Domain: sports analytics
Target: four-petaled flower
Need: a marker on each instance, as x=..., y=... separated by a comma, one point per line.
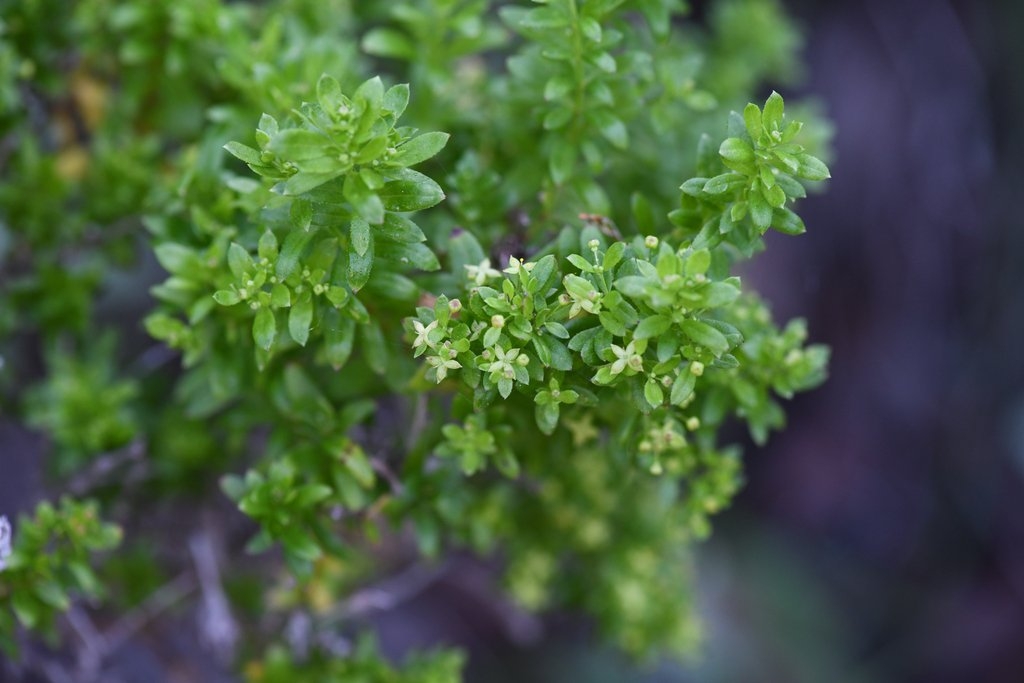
x=444, y=361
x=626, y=357
x=480, y=272
x=502, y=367
x=5, y=542
x=422, y=340
x=517, y=264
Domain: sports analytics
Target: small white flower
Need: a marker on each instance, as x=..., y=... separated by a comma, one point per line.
x=5, y=542
x=502, y=367
x=480, y=272
x=441, y=364
x=517, y=264
x=626, y=357
x=423, y=335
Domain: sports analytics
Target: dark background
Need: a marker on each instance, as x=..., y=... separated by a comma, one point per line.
x=881, y=537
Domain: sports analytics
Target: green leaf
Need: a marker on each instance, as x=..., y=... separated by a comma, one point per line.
x=245, y=153
x=812, y=168
x=706, y=335
x=591, y=29
x=410, y=191
x=420, y=148
x=544, y=18
x=339, y=335
x=547, y=416
x=613, y=256
x=682, y=388
x=328, y=93
x=562, y=160
x=300, y=318
x=752, y=119
x=360, y=235
x=760, y=210
x=239, y=260
x=26, y=608
x=557, y=87
x=311, y=494
x=698, y=262
x=364, y=200
x=396, y=99
x=392, y=286
x=371, y=92
x=280, y=296
x=726, y=182
x=787, y=222
x=561, y=359
x=653, y=393
x=775, y=196
x=264, y=329
x=301, y=214
x=738, y=155
x=557, y=118
x=652, y=326
x=268, y=247
x=773, y=111
x=291, y=253
x=359, y=267
x=398, y=228
x=386, y=42
x=374, y=347
x=298, y=145
x=611, y=127
x=177, y=258
x=605, y=62
x=359, y=465
x=226, y=297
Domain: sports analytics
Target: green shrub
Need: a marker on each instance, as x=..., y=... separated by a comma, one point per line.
x=486, y=300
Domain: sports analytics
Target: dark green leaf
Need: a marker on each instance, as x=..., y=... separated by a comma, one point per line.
x=410, y=191
x=291, y=253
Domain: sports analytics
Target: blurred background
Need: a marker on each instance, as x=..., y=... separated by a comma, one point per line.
x=881, y=536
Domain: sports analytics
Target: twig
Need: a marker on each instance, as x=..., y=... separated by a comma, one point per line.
x=381, y=468
x=160, y=600
x=419, y=421
x=94, y=644
x=104, y=465
x=216, y=625
x=387, y=594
